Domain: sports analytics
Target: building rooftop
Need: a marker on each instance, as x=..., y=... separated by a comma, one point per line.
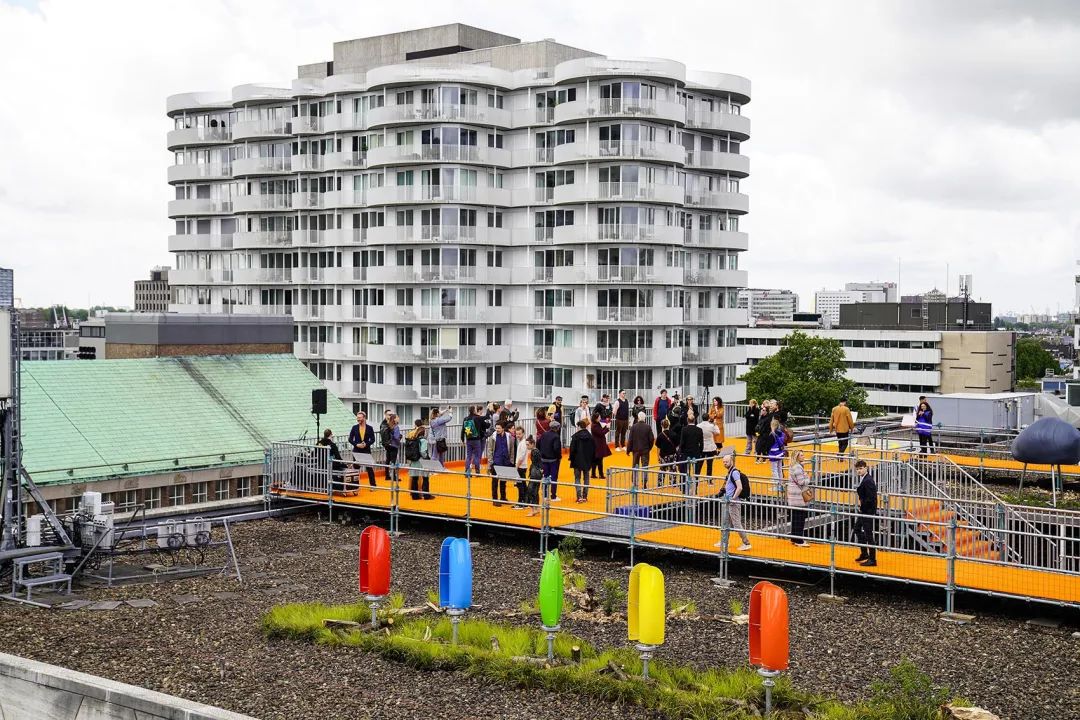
x=89, y=420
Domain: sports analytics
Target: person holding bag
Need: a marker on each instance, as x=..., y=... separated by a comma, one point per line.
x=799, y=496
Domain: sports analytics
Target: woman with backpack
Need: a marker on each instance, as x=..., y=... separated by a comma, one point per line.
x=437, y=433
x=667, y=449
x=414, y=448
x=798, y=496
x=778, y=441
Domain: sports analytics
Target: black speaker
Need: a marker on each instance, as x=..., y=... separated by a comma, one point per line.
x=707, y=377
x=318, y=401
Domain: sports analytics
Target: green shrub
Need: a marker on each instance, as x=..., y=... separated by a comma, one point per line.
x=736, y=607
x=612, y=596
x=907, y=694
x=570, y=549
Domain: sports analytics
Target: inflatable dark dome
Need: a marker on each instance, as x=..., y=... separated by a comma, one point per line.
x=1048, y=441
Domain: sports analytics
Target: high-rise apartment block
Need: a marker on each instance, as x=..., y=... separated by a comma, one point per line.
x=828, y=302
x=153, y=295
x=454, y=215
x=772, y=304
x=7, y=287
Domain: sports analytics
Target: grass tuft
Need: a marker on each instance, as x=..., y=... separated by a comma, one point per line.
x=736, y=607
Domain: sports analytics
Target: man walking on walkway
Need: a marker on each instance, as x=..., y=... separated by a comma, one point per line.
x=472, y=436
x=639, y=444
x=841, y=423
x=864, y=524
x=736, y=489
x=550, y=447
x=501, y=450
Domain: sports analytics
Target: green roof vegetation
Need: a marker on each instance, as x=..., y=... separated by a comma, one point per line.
x=86, y=420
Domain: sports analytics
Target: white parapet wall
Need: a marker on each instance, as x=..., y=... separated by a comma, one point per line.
x=31, y=690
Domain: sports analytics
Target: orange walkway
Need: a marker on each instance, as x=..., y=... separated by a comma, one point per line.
x=455, y=497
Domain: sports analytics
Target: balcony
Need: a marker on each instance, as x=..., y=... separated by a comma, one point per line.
x=345, y=160
x=200, y=206
x=261, y=130
x=635, y=191
x=620, y=150
x=638, y=273
x=199, y=171
x=428, y=113
x=437, y=273
x=624, y=314
x=329, y=275
x=715, y=355
x=307, y=200
x=714, y=277
x=180, y=243
x=264, y=276
x=326, y=313
x=733, y=201
x=306, y=163
x=198, y=136
x=449, y=392
x=719, y=316
x=640, y=108
x=635, y=356
x=307, y=125
x=343, y=122
x=262, y=203
x=546, y=314
x=251, y=167
x=721, y=161
x=310, y=350
x=465, y=313
x=728, y=239
x=200, y=277
x=261, y=239
x=393, y=393
x=720, y=121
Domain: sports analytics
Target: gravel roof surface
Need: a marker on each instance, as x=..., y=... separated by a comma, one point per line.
x=212, y=650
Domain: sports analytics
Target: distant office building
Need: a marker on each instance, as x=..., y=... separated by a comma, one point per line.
x=147, y=335
x=153, y=295
x=931, y=296
x=828, y=302
x=896, y=366
x=766, y=303
x=917, y=316
x=46, y=343
x=7, y=287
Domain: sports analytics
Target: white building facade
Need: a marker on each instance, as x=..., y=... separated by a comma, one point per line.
x=512, y=220
x=895, y=367
x=828, y=302
x=766, y=303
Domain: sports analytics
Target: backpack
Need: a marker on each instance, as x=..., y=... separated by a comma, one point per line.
x=385, y=435
x=471, y=432
x=412, y=449
x=744, y=493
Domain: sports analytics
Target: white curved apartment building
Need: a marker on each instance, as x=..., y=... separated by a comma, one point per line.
x=453, y=215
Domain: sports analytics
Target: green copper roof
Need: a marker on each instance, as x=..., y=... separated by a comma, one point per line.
x=86, y=419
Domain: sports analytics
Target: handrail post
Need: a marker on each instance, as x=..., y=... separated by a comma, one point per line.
x=950, y=579
x=395, y=508
x=832, y=550
x=545, y=513
x=468, y=504
x=999, y=511
x=725, y=534
x=633, y=512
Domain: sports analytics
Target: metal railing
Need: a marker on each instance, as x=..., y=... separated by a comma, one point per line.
x=695, y=516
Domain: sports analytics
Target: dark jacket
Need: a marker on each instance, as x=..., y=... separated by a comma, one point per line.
x=752, y=416
x=764, y=434
x=637, y=409
x=507, y=418
x=692, y=441
x=867, y=491
x=677, y=416
x=368, y=439
x=665, y=443
x=599, y=436
x=604, y=411
x=335, y=454
x=622, y=409
x=550, y=447
x=582, y=450
x=640, y=439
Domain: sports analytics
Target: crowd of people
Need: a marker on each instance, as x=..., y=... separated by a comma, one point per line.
x=687, y=438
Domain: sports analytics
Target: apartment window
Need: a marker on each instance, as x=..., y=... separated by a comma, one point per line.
x=495, y=101
x=403, y=376
x=222, y=490
x=494, y=375
x=200, y=492
x=495, y=140
x=404, y=336
x=126, y=501
x=243, y=487
x=495, y=298
x=404, y=218
x=177, y=495
x=152, y=498
x=404, y=297
x=495, y=258
x=494, y=336
x=495, y=219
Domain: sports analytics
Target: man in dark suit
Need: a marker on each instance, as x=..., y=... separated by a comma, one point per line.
x=864, y=523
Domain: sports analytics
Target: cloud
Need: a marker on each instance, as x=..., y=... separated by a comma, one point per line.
x=940, y=134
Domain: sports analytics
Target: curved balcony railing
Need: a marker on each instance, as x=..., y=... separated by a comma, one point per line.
x=181, y=243
x=640, y=108
x=264, y=203
x=610, y=67
x=199, y=171
x=184, y=137
x=200, y=206
x=245, y=167
x=738, y=125
x=255, y=129
x=728, y=162
x=433, y=113
x=261, y=239
x=620, y=150
x=735, y=202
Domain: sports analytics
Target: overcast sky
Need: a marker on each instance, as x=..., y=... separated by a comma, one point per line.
x=943, y=135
